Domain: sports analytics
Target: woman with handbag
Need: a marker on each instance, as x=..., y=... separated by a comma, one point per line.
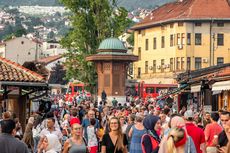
x=114, y=141
x=76, y=143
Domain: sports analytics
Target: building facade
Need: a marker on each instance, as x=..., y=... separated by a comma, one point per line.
x=181, y=36
x=22, y=49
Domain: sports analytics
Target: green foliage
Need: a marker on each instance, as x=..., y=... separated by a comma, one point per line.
x=93, y=21
x=20, y=32
x=130, y=40
x=58, y=75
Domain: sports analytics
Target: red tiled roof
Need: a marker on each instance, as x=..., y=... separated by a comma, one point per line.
x=11, y=71
x=49, y=59
x=187, y=10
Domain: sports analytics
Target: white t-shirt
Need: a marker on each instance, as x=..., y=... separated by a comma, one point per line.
x=92, y=138
x=57, y=132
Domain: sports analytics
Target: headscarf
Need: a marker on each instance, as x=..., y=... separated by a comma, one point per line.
x=53, y=143
x=149, y=123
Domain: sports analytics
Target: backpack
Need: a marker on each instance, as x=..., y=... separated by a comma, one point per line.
x=154, y=142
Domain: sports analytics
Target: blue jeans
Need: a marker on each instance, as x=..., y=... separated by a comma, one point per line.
x=36, y=141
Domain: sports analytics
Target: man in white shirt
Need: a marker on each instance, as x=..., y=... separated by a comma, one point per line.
x=50, y=130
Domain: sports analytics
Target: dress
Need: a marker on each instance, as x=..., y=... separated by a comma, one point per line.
x=135, y=146
x=107, y=142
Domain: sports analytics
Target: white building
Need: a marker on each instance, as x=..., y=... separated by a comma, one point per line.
x=2, y=49
x=52, y=48
x=22, y=49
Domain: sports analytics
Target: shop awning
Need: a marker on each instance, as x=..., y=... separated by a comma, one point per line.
x=223, y=85
x=195, y=88
x=216, y=92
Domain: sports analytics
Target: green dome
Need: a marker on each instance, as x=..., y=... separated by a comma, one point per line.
x=111, y=44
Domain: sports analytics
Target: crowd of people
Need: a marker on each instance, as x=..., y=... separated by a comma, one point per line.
x=86, y=127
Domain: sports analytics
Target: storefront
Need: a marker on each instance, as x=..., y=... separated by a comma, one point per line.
x=222, y=89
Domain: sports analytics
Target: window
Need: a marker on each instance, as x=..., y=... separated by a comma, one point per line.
x=29, y=53
x=178, y=63
x=198, y=24
x=178, y=39
x=198, y=39
x=154, y=43
x=171, y=25
x=220, y=60
x=162, y=65
x=154, y=66
x=171, y=64
x=143, y=32
x=180, y=24
x=139, y=32
x=22, y=42
x=188, y=63
x=146, y=66
x=220, y=39
x=171, y=40
x=162, y=42
x=182, y=63
x=139, y=53
x=77, y=88
x=220, y=24
x=161, y=89
x=139, y=73
x=198, y=63
x=149, y=90
x=188, y=38
x=131, y=69
x=146, y=44
x=182, y=38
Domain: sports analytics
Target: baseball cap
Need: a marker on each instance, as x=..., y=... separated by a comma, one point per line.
x=189, y=114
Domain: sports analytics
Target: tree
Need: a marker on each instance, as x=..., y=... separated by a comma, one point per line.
x=51, y=35
x=57, y=75
x=20, y=32
x=92, y=22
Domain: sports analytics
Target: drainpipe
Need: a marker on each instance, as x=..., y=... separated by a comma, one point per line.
x=210, y=35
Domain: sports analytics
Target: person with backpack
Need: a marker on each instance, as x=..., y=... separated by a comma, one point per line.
x=151, y=140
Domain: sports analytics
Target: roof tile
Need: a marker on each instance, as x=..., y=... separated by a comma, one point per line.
x=187, y=10
x=11, y=71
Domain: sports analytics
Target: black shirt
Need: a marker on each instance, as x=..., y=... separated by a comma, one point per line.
x=222, y=139
x=106, y=141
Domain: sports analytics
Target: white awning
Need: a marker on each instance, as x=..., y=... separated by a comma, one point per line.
x=223, y=85
x=216, y=92
x=195, y=88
